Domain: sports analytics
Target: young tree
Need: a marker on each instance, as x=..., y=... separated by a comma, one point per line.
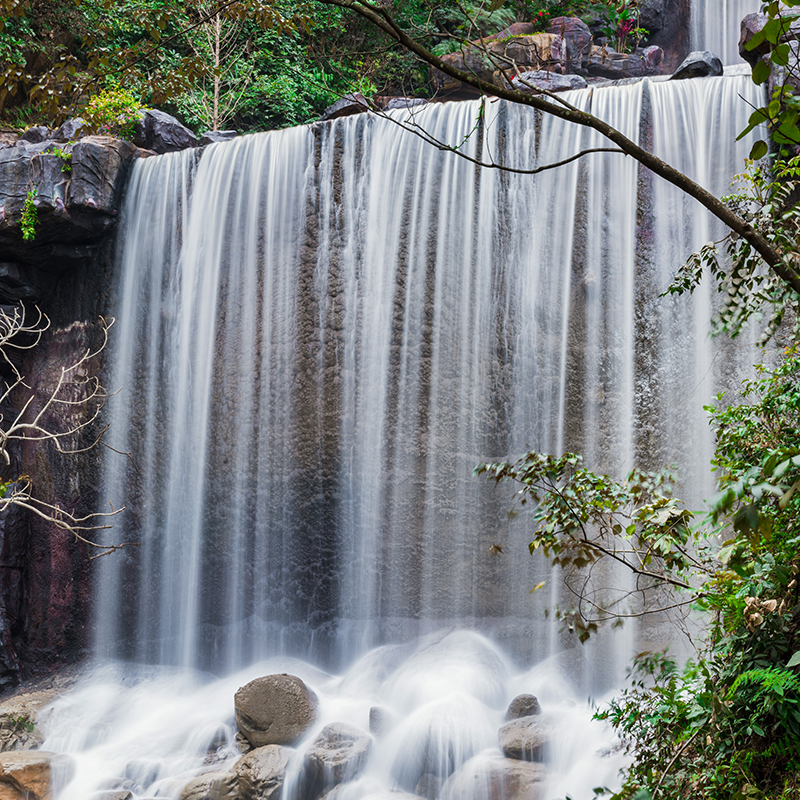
x=63, y=411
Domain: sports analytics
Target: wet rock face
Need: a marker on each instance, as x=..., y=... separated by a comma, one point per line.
x=527, y=738
x=209, y=137
x=77, y=202
x=608, y=63
x=275, y=709
x=19, y=722
x=336, y=755
x=211, y=786
x=496, y=779
x=261, y=773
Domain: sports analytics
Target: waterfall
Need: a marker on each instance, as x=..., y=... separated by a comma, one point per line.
x=716, y=26
x=322, y=331
x=319, y=333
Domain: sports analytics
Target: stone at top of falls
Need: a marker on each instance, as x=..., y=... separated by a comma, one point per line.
x=526, y=738
x=353, y=103
x=162, y=133
x=275, y=709
x=605, y=62
x=31, y=773
x=496, y=779
x=209, y=137
x=523, y=705
x=700, y=64
x=336, y=755
x=262, y=771
x=529, y=82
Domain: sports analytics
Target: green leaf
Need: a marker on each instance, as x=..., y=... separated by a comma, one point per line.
x=759, y=150
x=761, y=73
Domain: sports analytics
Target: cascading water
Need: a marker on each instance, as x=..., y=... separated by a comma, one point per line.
x=320, y=332
x=716, y=23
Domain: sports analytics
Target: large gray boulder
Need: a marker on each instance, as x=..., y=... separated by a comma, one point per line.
x=35, y=135
x=496, y=779
x=69, y=130
x=162, y=133
x=336, y=755
x=523, y=705
x=527, y=738
x=275, y=709
x=212, y=786
x=699, y=64
x=262, y=771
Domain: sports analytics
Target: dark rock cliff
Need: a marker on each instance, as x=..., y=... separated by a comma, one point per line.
x=63, y=270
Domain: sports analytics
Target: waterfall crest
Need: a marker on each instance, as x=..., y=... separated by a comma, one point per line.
x=322, y=331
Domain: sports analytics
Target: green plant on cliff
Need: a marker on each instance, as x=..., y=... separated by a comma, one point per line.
x=30, y=215
x=65, y=156
x=113, y=112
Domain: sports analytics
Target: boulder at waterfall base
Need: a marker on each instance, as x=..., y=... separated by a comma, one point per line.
x=212, y=786
x=496, y=779
x=261, y=772
x=30, y=774
x=523, y=705
x=336, y=755
x=527, y=738
x=275, y=709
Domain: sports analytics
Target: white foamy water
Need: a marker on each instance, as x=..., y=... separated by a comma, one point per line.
x=150, y=730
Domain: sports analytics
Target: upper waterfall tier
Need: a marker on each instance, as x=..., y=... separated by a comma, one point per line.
x=321, y=331
x=716, y=26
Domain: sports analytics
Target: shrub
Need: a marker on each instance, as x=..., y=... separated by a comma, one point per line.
x=113, y=112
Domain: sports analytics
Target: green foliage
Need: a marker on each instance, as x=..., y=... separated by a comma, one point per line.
x=621, y=25
x=30, y=215
x=727, y=727
x=65, y=156
x=782, y=113
x=22, y=723
x=113, y=112
x=764, y=197
x=580, y=518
